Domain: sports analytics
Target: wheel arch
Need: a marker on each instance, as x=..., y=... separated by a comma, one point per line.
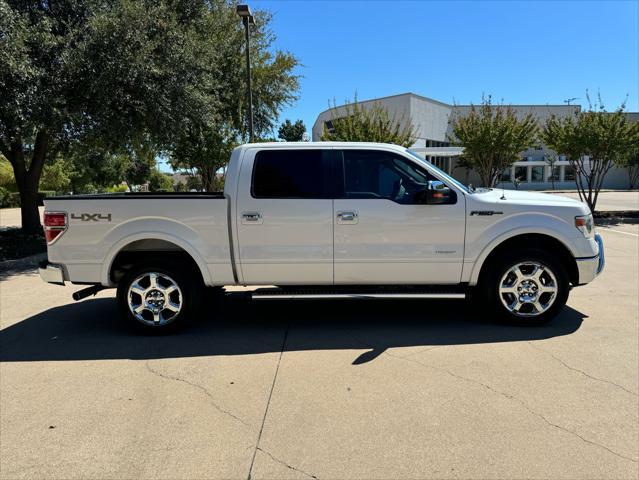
x=139, y=247
x=526, y=240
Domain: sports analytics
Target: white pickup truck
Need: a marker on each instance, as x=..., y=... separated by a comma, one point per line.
x=325, y=220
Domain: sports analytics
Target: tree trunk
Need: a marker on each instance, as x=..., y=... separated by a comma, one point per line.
x=28, y=180
x=29, y=210
x=208, y=177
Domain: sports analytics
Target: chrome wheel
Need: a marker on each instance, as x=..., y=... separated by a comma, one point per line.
x=528, y=289
x=155, y=299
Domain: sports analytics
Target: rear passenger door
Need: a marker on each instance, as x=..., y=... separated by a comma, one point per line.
x=285, y=217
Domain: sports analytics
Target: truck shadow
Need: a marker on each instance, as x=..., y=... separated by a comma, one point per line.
x=90, y=330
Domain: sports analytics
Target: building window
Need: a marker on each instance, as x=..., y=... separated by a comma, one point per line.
x=328, y=126
x=521, y=174
x=537, y=174
x=569, y=174
x=554, y=174
x=505, y=175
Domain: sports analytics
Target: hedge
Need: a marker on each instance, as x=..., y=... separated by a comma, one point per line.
x=12, y=199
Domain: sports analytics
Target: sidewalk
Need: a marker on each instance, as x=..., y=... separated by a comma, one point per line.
x=10, y=217
x=608, y=200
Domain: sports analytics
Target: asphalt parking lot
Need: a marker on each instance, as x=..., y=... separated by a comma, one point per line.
x=333, y=389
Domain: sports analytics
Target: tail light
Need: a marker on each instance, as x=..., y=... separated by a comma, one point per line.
x=55, y=224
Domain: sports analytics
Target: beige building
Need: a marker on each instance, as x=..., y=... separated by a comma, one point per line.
x=431, y=119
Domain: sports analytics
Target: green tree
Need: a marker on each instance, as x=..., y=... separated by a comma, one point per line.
x=160, y=182
x=631, y=163
x=204, y=144
x=493, y=137
x=6, y=173
x=56, y=175
x=593, y=141
x=110, y=72
x=140, y=163
x=291, y=132
x=372, y=123
x=551, y=159
x=203, y=152
x=94, y=170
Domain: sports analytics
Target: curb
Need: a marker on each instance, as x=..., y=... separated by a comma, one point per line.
x=616, y=216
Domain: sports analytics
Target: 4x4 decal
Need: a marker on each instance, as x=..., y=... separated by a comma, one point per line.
x=91, y=217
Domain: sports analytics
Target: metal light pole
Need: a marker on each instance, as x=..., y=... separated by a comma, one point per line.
x=245, y=13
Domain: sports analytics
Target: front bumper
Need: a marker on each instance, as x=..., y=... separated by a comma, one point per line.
x=589, y=268
x=51, y=273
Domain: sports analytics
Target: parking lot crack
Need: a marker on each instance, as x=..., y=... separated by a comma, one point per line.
x=268, y=402
x=285, y=464
x=200, y=388
x=520, y=402
x=569, y=367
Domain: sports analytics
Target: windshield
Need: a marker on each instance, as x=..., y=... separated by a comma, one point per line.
x=440, y=172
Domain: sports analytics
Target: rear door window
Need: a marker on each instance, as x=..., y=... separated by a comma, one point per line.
x=303, y=173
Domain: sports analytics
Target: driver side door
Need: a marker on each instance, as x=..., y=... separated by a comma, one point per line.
x=384, y=233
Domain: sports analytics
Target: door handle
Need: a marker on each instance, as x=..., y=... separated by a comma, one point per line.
x=347, y=217
x=251, y=217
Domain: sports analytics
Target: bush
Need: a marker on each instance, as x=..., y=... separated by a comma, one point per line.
x=12, y=199
x=4, y=197
x=117, y=189
x=7, y=180
x=15, y=244
x=42, y=194
x=160, y=182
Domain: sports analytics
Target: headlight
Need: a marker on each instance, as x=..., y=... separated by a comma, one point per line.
x=585, y=225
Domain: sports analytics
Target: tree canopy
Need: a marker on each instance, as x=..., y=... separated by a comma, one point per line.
x=116, y=74
x=593, y=141
x=372, y=123
x=493, y=136
x=291, y=132
x=204, y=151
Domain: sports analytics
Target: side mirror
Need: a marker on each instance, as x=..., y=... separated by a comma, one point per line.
x=439, y=194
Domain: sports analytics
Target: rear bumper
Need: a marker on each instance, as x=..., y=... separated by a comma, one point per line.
x=51, y=273
x=589, y=268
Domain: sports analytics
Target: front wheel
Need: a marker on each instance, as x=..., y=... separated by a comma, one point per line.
x=527, y=287
x=157, y=299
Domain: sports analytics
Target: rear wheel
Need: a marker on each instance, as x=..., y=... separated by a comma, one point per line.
x=527, y=287
x=157, y=299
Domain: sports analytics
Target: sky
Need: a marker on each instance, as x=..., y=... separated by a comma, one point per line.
x=519, y=52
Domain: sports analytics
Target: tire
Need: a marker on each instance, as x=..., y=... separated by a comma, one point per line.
x=525, y=287
x=156, y=299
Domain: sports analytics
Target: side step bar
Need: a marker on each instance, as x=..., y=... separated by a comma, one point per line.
x=364, y=294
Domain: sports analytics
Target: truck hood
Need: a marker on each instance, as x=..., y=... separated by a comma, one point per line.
x=528, y=198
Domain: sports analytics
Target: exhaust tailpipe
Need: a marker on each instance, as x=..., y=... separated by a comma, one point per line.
x=87, y=292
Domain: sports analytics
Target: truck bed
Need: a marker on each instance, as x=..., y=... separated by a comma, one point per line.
x=100, y=227
x=137, y=195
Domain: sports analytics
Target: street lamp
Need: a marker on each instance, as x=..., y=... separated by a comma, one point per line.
x=245, y=13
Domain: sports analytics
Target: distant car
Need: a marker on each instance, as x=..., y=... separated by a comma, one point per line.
x=325, y=220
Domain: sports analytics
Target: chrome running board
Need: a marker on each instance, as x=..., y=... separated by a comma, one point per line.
x=354, y=294
x=360, y=296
